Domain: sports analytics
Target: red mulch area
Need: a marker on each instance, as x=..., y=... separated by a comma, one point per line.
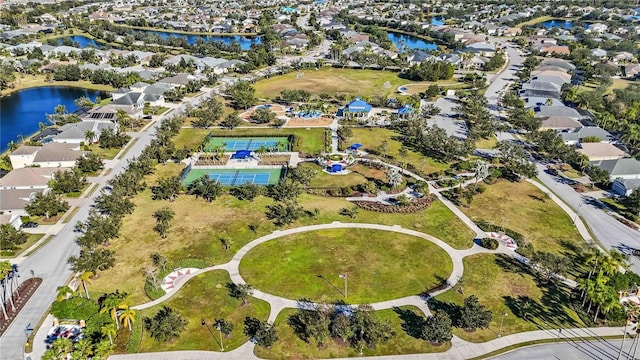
x=26, y=290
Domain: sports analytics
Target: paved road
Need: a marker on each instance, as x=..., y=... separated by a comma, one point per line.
x=578, y=350
x=610, y=232
x=50, y=262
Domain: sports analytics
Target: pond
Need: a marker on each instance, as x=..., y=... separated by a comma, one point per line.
x=563, y=24
x=24, y=109
x=83, y=41
x=245, y=41
x=409, y=42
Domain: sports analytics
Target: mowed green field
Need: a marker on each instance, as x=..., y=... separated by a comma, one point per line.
x=381, y=265
x=332, y=81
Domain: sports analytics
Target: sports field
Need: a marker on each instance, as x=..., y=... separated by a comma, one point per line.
x=248, y=143
x=232, y=177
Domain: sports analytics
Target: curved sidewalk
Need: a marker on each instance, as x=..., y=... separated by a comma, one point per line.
x=278, y=303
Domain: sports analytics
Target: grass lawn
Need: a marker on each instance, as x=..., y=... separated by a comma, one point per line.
x=371, y=138
x=490, y=143
x=205, y=297
x=31, y=239
x=381, y=265
x=331, y=81
x=502, y=284
x=291, y=347
x=620, y=84
x=323, y=179
x=572, y=173
x=311, y=140
x=418, y=88
x=198, y=226
x=190, y=137
x=24, y=81
x=154, y=110
x=106, y=154
x=522, y=207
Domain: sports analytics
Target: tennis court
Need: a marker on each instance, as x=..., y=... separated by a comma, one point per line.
x=248, y=143
x=231, y=177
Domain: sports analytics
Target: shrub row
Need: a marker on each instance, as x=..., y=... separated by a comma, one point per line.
x=414, y=206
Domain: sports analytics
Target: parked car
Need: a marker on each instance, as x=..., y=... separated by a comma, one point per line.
x=30, y=225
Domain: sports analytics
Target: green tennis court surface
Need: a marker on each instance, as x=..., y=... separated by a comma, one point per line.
x=248, y=143
x=231, y=177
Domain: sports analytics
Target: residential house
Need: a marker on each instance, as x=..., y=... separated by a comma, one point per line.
x=76, y=133
x=553, y=49
x=12, y=219
x=599, y=53
x=546, y=111
x=481, y=48
x=29, y=178
x=48, y=155
x=575, y=137
x=599, y=151
x=560, y=123
x=13, y=202
x=597, y=28
x=179, y=80
x=542, y=85
x=631, y=71
x=624, y=173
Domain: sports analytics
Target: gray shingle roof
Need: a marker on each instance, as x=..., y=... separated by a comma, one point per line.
x=619, y=167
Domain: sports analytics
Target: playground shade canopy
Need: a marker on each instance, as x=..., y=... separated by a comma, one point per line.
x=355, y=146
x=241, y=154
x=336, y=167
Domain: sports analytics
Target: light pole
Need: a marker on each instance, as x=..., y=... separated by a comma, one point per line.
x=219, y=327
x=504, y=313
x=344, y=276
x=575, y=217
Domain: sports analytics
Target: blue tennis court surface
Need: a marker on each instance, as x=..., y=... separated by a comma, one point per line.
x=239, y=179
x=248, y=143
x=235, y=177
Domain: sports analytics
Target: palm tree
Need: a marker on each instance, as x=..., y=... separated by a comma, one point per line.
x=64, y=292
x=112, y=303
x=85, y=279
x=109, y=330
x=128, y=317
x=89, y=136
x=83, y=349
x=123, y=118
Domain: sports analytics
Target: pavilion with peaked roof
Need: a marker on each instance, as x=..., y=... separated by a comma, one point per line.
x=357, y=108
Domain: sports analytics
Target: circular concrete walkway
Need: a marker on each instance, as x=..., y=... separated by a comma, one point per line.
x=278, y=303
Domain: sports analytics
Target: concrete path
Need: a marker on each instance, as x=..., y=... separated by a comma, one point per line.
x=278, y=303
x=460, y=349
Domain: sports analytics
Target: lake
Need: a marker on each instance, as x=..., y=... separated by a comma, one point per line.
x=245, y=41
x=24, y=109
x=83, y=41
x=410, y=42
x=563, y=24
